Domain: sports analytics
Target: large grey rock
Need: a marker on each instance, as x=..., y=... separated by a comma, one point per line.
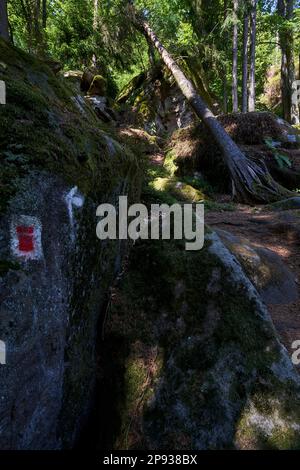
x=204, y=367
x=286, y=204
x=55, y=275
x=50, y=306
x=272, y=278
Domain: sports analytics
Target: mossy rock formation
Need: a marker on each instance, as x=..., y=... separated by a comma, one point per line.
x=157, y=100
x=57, y=165
x=202, y=366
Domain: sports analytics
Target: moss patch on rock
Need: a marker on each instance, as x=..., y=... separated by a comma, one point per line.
x=42, y=128
x=181, y=191
x=98, y=86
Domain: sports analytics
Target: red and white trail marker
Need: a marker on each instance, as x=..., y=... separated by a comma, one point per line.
x=26, y=240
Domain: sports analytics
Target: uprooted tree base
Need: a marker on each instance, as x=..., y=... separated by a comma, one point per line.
x=192, y=149
x=252, y=183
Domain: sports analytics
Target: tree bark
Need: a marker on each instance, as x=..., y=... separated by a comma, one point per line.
x=96, y=16
x=37, y=13
x=4, y=30
x=44, y=14
x=235, y=99
x=28, y=17
x=290, y=109
x=225, y=83
x=250, y=181
x=245, y=62
x=252, y=81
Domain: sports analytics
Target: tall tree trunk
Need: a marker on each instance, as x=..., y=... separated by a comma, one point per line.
x=235, y=99
x=28, y=15
x=4, y=31
x=11, y=33
x=252, y=82
x=250, y=182
x=288, y=91
x=225, y=82
x=96, y=15
x=95, y=28
x=37, y=17
x=245, y=61
x=44, y=14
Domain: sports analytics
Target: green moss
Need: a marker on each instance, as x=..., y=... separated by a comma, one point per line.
x=286, y=204
x=98, y=86
x=42, y=128
x=145, y=109
x=131, y=89
x=211, y=205
x=268, y=427
x=135, y=378
x=181, y=191
x=170, y=164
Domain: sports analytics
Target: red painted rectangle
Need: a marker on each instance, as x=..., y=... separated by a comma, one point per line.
x=22, y=229
x=25, y=238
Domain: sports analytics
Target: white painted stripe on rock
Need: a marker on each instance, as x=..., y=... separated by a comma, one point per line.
x=2, y=92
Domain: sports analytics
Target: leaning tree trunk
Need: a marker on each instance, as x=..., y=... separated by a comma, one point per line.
x=250, y=181
x=4, y=31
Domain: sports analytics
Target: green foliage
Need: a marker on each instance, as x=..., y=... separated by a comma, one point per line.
x=195, y=29
x=282, y=160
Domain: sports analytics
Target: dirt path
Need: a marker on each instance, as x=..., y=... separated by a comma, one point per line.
x=278, y=231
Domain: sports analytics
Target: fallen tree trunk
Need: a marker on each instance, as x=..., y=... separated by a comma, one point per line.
x=251, y=183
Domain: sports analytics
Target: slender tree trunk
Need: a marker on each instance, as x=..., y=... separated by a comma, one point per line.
x=245, y=62
x=44, y=14
x=252, y=82
x=37, y=16
x=235, y=99
x=27, y=13
x=4, y=31
x=288, y=91
x=295, y=118
x=250, y=182
x=225, y=82
x=11, y=33
x=96, y=16
x=95, y=28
